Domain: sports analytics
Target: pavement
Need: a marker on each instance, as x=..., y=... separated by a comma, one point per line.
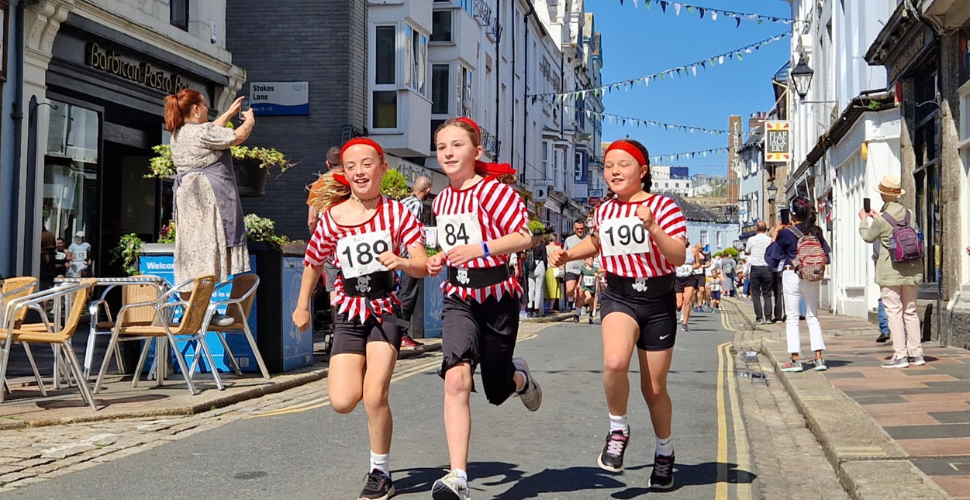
x=900, y=433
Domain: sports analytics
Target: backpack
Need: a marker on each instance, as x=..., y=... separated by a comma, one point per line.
x=728, y=266
x=810, y=259
x=906, y=244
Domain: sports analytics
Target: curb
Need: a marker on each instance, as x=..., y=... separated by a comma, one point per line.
x=868, y=462
x=549, y=318
x=282, y=383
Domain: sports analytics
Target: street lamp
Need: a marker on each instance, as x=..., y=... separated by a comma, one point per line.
x=801, y=76
x=772, y=191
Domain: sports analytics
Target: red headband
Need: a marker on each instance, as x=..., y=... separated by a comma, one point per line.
x=342, y=179
x=361, y=140
x=482, y=168
x=469, y=121
x=629, y=148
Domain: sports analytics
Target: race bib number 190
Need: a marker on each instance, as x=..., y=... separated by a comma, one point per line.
x=460, y=229
x=358, y=253
x=624, y=236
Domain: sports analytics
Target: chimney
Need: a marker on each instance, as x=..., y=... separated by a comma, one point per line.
x=756, y=120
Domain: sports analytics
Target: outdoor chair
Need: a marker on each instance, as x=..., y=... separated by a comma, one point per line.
x=61, y=339
x=191, y=326
x=238, y=306
x=13, y=289
x=135, y=316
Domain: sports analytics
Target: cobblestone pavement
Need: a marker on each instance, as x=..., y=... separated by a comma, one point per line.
x=789, y=460
x=35, y=454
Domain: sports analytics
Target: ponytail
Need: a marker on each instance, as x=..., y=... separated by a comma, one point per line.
x=180, y=105
x=805, y=212
x=331, y=189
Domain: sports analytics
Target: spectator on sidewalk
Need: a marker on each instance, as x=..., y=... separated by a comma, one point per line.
x=333, y=165
x=883, y=323
x=762, y=275
x=899, y=280
x=729, y=269
x=536, y=266
x=801, y=240
x=410, y=286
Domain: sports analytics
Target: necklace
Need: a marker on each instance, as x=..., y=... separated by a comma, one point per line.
x=365, y=200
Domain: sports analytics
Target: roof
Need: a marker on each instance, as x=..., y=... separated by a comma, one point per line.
x=695, y=212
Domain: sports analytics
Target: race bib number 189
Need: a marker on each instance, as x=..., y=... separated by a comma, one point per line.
x=460, y=229
x=358, y=253
x=624, y=236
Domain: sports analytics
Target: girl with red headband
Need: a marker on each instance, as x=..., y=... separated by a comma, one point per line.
x=640, y=238
x=480, y=222
x=366, y=234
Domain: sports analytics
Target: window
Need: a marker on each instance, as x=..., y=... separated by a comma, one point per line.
x=71, y=174
x=416, y=60
x=719, y=239
x=435, y=123
x=545, y=159
x=179, y=13
x=465, y=5
x=441, y=26
x=704, y=237
x=440, y=85
x=463, y=98
x=384, y=98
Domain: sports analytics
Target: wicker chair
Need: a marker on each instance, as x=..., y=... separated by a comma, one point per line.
x=191, y=326
x=238, y=306
x=18, y=288
x=78, y=294
x=135, y=316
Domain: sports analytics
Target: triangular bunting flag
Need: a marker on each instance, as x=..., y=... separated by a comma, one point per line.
x=714, y=16
x=663, y=6
x=738, y=20
x=701, y=10
x=677, y=8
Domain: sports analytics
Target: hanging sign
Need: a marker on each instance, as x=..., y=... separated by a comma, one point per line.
x=280, y=98
x=777, y=141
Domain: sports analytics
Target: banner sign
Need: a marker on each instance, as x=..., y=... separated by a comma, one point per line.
x=280, y=98
x=777, y=141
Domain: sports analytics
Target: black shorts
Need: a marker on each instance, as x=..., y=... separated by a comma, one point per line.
x=658, y=323
x=482, y=334
x=330, y=273
x=715, y=295
x=351, y=337
x=680, y=283
x=700, y=281
x=571, y=277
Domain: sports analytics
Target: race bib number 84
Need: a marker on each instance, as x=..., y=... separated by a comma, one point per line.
x=358, y=253
x=460, y=229
x=624, y=236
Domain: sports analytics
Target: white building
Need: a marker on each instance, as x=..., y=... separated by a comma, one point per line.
x=485, y=59
x=845, y=135
x=663, y=182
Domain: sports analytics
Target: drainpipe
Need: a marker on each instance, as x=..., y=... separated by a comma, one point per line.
x=498, y=72
x=512, y=93
x=14, y=264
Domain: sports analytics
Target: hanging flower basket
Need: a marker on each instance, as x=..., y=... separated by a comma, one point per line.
x=250, y=178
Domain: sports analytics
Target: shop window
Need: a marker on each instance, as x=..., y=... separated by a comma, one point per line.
x=180, y=14
x=441, y=26
x=927, y=173
x=416, y=60
x=71, y=171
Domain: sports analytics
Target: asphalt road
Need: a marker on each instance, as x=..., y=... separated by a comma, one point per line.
x=309, y=451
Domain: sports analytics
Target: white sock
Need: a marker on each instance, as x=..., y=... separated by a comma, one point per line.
x=665, y=447
x=381, y=463
x=462, y=474
x=525, y=384
x=619, y=424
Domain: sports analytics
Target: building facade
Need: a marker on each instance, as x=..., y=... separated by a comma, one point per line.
x=94, y=76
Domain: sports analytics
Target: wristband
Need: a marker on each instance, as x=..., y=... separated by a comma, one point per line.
x=485, y=251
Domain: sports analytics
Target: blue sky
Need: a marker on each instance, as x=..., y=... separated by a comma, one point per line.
x=638, y=42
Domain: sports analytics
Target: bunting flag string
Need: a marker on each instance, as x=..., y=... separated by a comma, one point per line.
x=625, y=120
x=714, y=13
x=688, y=69
x=690, y=154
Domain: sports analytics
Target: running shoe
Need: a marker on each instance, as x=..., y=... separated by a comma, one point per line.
x=916, y=361
x=220, y=320
x=792, y=366
x=896, y=363
x=450, y=487
x=612, y=457
x=531, y=394
x=377, y=486
x=591, y=318
x=684, y=327
x=820, y=365
x=663, y=472
x=407, y=343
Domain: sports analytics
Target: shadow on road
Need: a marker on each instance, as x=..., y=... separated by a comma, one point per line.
x=567, y=480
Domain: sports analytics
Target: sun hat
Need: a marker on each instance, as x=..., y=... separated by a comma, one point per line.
x=79, y=234
x=890, y=185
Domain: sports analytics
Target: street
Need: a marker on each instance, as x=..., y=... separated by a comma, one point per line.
x=305, y=450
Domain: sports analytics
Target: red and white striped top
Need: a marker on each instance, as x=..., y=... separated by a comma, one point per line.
x=500, y=212
x=666, y=213
x=391, y=216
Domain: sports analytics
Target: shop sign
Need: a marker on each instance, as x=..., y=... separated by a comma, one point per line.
x=777, y=141
x=111, y=62
x=280, y=98
x=906, y=59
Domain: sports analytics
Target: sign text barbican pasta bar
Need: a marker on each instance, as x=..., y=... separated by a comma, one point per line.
x=143, y=73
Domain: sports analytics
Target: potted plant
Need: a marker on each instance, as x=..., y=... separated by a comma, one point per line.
x=127, y=253
x=252, y=166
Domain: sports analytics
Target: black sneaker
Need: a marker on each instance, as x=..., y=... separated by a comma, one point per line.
x=377, y=486
x=612, y=457
x=663, y=472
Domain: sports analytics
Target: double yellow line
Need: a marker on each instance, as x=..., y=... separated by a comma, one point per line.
x=726, y=379
x=313, y=404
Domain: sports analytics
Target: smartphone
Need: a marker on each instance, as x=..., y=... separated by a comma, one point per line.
x=785, y=217
x=866, y=206
x=244, y=106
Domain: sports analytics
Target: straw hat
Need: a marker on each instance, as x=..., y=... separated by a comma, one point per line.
x=890, y=186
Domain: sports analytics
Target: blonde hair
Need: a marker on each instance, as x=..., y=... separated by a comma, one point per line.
x=327, y=192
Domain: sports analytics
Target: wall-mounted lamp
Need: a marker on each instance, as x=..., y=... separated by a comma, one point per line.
x=772, y=191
